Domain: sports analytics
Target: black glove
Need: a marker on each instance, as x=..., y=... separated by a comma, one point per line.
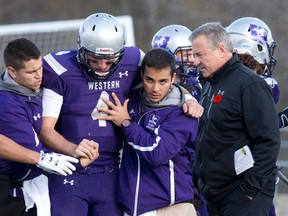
x=283, y=118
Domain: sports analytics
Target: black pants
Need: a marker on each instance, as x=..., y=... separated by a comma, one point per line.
x=237, y=203
x=16, y=207
x=12, y=206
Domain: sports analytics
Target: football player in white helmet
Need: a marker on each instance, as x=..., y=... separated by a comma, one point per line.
x=252, y=36
x=100, y=46
x=75, y=83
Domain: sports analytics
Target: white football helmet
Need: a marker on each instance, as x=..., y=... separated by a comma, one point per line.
x=102, y=36
x=250, y=35
x=173, y=38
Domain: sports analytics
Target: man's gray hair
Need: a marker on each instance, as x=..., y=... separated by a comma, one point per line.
x=215, y=34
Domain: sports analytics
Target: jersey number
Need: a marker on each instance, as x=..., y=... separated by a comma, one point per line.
x=100, y=103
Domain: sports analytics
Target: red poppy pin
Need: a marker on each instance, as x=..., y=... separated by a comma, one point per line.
x=217, y=98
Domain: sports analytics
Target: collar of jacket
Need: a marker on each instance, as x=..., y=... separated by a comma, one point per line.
x=175, y=97
x=11, y=86
x=226, y=69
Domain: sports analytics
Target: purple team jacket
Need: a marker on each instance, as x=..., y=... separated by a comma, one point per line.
x=155, y=169
x=21, y=119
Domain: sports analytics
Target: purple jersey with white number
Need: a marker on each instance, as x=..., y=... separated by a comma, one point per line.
x=82, y=95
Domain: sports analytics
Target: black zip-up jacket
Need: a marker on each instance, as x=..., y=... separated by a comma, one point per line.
x=239, y=111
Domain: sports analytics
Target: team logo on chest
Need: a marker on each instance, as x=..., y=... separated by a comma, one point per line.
x=121, y=74
x=152, y=122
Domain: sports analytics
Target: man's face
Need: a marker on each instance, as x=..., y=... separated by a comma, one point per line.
x=30, y=76
x=157, y=83
x=100, y=66
x=207, y=59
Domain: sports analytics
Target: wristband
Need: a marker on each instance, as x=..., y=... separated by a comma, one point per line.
x=126, y=123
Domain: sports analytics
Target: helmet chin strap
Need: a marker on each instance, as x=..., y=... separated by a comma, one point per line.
x=266, y=70
x=92, y=73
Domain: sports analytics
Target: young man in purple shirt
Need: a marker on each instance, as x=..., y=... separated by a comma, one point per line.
x=21, y=151
x=160, y=141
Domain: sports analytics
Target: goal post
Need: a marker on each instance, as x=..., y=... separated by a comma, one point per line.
x=54, y=35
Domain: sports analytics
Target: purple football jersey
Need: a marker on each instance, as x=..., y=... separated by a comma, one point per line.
x=82, y=95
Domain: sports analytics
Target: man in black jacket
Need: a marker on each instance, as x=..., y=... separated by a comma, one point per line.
x=238, y=139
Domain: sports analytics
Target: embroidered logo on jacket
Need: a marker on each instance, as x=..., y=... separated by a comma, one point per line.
x=152, y=122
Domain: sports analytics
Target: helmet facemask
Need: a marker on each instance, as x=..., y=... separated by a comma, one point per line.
x=182, y=56
x=94, y=72
x=270, y=65
x=186, y=67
